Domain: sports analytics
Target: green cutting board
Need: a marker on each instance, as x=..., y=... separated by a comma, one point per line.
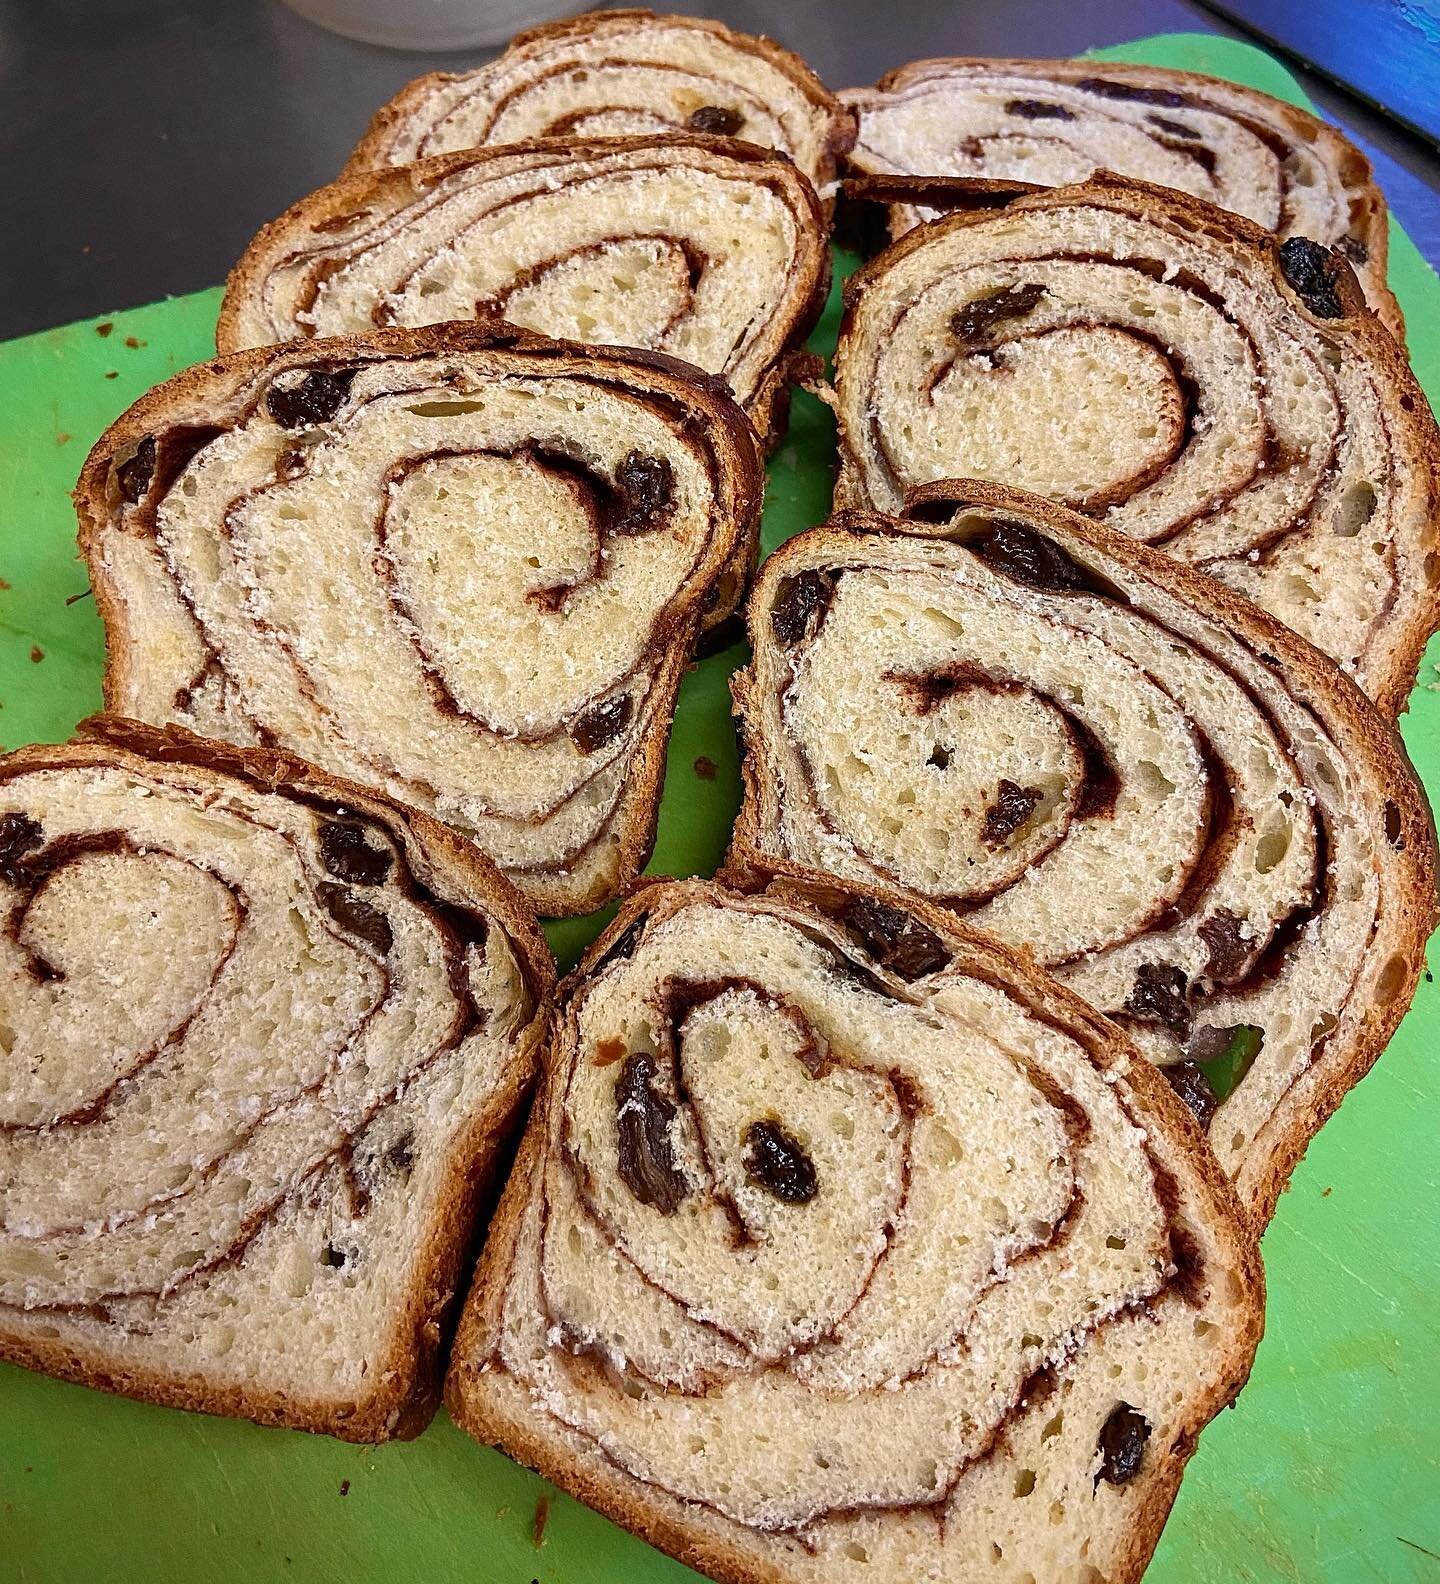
x=1325, y=1473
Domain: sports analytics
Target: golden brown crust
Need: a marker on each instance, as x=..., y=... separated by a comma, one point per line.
x=362, y=187
x=407, y=1386
x=1368, y=211
x=497, y=1411
x=373, y=148
x=193, y=393
x=1378, y=756
x=1418, y=438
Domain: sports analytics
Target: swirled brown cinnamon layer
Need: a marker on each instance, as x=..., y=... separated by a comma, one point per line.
x=1052, y=122
x=261, y=1035
x=1172, y=371
x=464, y=567
x=711, y=250
x=1182, y=810
x=620, y=73
x=844, y=1244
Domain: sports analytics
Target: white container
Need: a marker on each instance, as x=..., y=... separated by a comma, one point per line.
x=432, y=24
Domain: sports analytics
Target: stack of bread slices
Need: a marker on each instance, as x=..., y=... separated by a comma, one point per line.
x=889, y=1204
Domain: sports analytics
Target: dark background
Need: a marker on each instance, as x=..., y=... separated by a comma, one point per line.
x=142, y=142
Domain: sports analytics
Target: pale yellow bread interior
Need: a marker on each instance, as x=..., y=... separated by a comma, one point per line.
x=888, y=1344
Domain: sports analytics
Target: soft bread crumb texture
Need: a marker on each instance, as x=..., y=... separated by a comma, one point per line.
x=1208, y=837
x=473, y=584
x=906, y=1374
x=687, y=246
x=1057, y=122
x=620, y=75
x=1152, y=367
x=240, y=1115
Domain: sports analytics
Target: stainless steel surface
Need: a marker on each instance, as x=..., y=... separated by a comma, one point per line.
x=142, y=142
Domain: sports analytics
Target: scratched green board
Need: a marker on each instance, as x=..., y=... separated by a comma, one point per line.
x=1327, y=1470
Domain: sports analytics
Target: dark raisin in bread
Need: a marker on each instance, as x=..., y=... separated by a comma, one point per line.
x=1052, y=122
x=464, y=568
x=845, y=1245
x=1184, y=811
x=1170, y=369
x=620, y=73
x=714, y=251
x=262, y=1035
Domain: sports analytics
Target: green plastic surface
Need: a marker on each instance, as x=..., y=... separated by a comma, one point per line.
x=1328, y=1471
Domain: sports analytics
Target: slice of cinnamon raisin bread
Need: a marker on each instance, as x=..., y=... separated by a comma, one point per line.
x=711, y=250
x=262, y=1035
x=463, y=567
x=1057, y=121
x=845, y=1245
x=1176, y=372
x=1184, y=811
x=620, y=73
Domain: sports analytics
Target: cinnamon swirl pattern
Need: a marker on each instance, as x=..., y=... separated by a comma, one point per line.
x=842, y=1244
x=1175, y=372
x=1182, y=810
x=1052, y=122
x=620, y=73
x=710, y=250
x=261, y=1036
x=463, y=567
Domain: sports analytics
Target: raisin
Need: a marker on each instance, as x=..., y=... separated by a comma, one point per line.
x=134, y=476
x=1310, y=269
x=19, y=834
x=1161, y=995
x=977, y=319
x=647, y=488
x=1229, y=950
x=1394, y=826
x=1013, y=805
x=1174, y=128
x=1193, y=1087
x=1038, y=110
x=646, y=1156
x=1027, y=557
x=624, y=944
x=895, y=939
x=1122, y=1445
x=356, y=917
x=1108, y=88
x=315, y=400
x=718, y=119
x=348, y=855
x=602, y=724
x=800, y=605
x=776, y=1162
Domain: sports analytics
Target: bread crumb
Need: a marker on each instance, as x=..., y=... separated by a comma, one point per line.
x=37, y=654
x=134, y=344
x=706, y=768
x=542, y=1517
x=344, y=1487
x=105, y=327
